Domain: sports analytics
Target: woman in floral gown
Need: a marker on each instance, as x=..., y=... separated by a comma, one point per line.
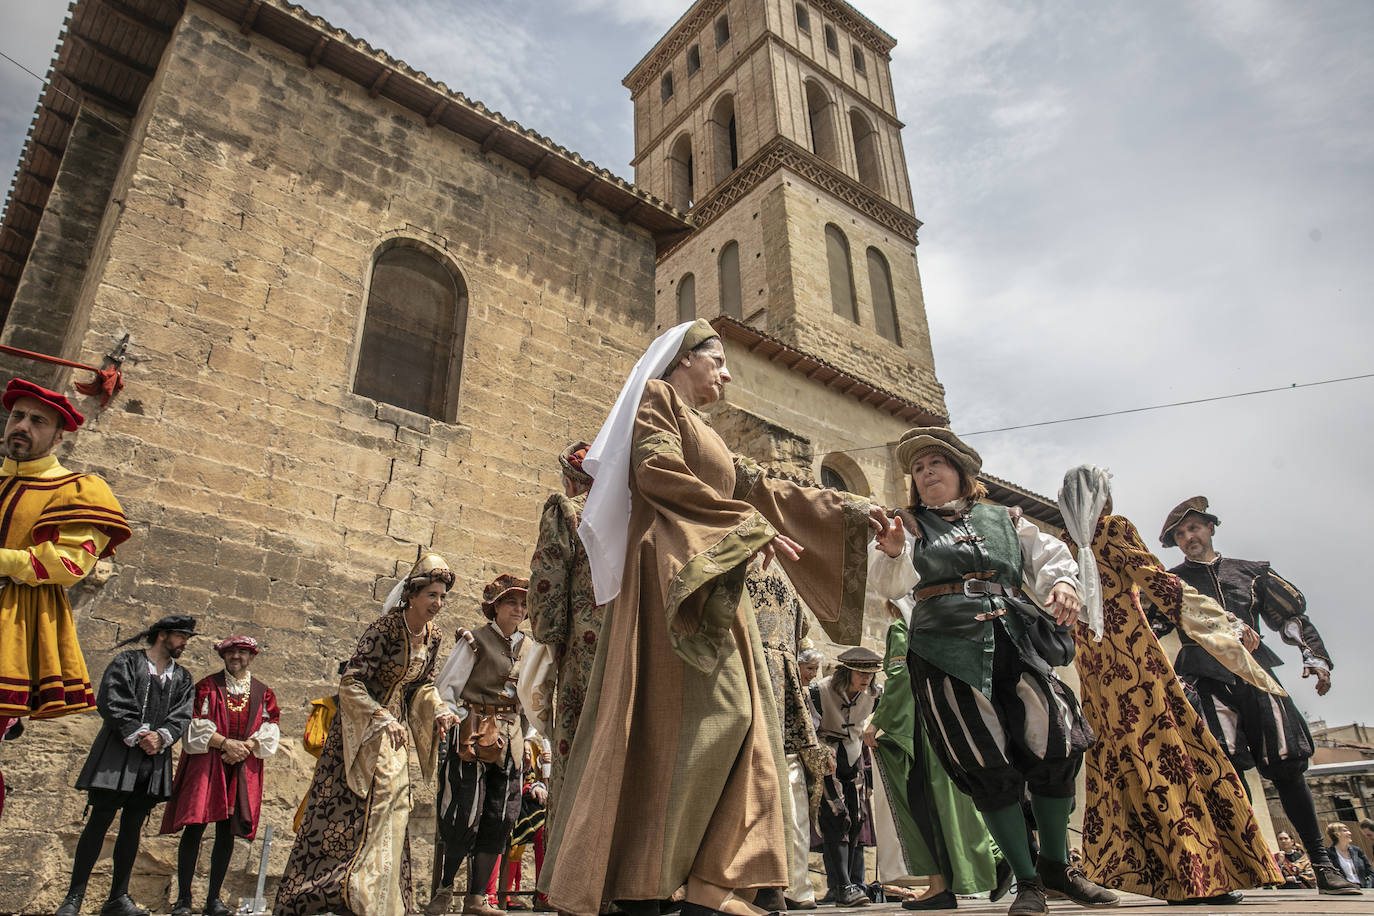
x=1166, y=815
x=352, y=854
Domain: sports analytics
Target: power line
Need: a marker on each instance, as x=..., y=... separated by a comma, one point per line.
x=1129, y=410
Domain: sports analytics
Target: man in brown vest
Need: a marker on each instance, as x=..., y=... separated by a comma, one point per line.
x=479, y=786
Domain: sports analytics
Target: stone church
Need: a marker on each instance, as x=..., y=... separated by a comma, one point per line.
x=357, y=314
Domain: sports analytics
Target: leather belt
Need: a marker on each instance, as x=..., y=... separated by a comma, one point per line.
x=488, y=709
x=972, y=586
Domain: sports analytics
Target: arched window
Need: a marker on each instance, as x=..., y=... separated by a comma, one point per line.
x=687, y=298
x=730, y=302
x=803, y=18
x=841, y=273
x=866, y=150
x=680, y=173
x=832, y=41
x=884, y=304
x=832, y=478
x=821, y=119
x=411, y=353
x=723, y=138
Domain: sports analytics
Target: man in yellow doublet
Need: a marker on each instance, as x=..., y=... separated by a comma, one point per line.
x=55, y=525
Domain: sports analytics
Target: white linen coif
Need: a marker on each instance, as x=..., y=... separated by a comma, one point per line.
x=605, y=523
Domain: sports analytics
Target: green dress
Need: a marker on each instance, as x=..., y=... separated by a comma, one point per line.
x=940, y=832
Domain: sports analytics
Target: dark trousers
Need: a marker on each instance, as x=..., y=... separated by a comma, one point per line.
x=133, y=808
x=841, y=820
x=188, y=851
x=478, y=806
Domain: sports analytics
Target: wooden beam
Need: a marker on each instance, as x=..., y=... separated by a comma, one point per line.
x=59, y=115
x=317, y=52
x=629, y=211
x=15, y=259
x=436, y=112
x=489, y=141
x=32, y=208
x=114, y=57
x=538, y=168
x=26, y=239
x=134, y=17
x=376, y=88
x=30, y=174
x=101, y=96
x=586, y=189
x=250, y=16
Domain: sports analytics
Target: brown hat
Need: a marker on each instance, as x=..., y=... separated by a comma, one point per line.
x=700, y=332
x=861, y=659
x=918, y=441
x=571, y=463
x=1197, y=505
x=499, y=588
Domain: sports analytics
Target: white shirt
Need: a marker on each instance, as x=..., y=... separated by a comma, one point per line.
x=453, y=677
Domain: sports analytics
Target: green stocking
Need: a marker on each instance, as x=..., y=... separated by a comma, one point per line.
x=1052, y=818
x=1008, y=827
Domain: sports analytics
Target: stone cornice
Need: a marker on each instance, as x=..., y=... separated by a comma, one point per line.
x=696, y=18
x=780, y=153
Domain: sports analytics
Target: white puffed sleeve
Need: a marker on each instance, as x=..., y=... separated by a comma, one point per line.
x=892, y=577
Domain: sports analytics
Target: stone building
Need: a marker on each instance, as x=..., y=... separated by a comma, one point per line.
x=354, y=311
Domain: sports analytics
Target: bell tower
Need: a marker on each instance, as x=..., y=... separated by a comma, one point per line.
x=773, y=125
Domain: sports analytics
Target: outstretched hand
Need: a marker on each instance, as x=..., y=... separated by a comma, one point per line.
x=892, y=538
x=781, y=544
x=1323, y=679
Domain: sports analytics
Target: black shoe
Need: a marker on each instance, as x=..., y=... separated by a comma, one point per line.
x=1230, y=898
x=770, y=898
x=1004, y=878
x=215, y=907
x=638, y=907
x=828, y=898
x=71, y=905
x=123, y=905
x=1070, y=881
x=852, y=895
x=182, y=907
x=1030, y=898
x=1331, y=881
x=945, y=900
x=799, y=904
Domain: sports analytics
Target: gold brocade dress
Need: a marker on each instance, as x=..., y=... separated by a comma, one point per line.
x=351, y=853
x=1166, y=815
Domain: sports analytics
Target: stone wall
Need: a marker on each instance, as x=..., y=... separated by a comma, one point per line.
x=265, y=496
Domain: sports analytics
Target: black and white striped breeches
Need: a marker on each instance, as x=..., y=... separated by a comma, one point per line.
x=1030, y=733
x=1254, y=728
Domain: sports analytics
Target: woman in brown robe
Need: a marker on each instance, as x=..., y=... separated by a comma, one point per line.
x=352, y=854
x=677, y=766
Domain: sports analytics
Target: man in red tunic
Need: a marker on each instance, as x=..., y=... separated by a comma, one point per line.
x=219, y=779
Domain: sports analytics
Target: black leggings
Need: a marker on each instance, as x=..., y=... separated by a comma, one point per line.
x=189, y=851
x=125, y=847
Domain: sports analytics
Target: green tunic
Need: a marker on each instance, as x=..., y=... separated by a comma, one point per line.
x=954, y=843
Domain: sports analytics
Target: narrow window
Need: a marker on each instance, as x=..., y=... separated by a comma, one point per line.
x=884, y=303
x=687, y=298
x=693, y=59
x=832, y=41
x=803, y=18
x=728, y=263
x=680, y=173
x=724, y=140
x=666, y=85
x=722, y=30
x=866, y=150
x=858, y=59
x=821, y=121
x=411, y=353
x=841, y=273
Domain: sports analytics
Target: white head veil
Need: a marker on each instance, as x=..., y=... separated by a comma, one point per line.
x=1081, y=500
x=605, y=523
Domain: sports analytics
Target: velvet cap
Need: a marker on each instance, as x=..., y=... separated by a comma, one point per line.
x=1196, y=505
x=861, y=659
x=22, y=388
x=498, y=588
x=237, y=642
x=916, y=442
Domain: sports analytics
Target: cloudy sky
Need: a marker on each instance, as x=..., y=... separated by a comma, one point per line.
x=1125, y=204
